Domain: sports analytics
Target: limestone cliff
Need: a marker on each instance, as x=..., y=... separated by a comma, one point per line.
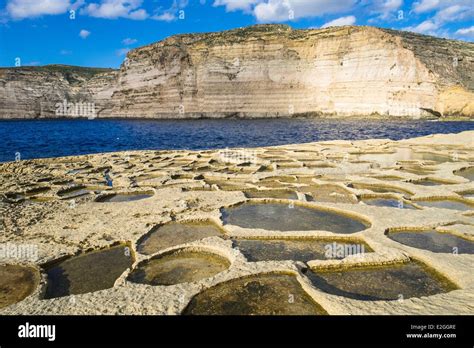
x=33, y=92
x=267, y=71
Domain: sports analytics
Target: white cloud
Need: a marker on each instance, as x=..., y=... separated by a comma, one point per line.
x=446, y=11
x=76, y=5
x=426, y=27
x=285, y=10
x=84, y=33
x=169, y=14
x=165, y=17
x=425, y=6
x=65, y=52
x=467, y=32
x=112, y=9
x=234, y=5
x=274, y=11
x=20, y=9
x=128, y=41
x=453, y=13
x=348, y=20
x=384, y=9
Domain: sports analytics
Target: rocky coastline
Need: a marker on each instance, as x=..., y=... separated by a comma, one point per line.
x=149, y=213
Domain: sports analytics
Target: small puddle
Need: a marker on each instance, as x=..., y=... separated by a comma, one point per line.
x=434, y=241
x=123, y=197
x=179, y=267
x=265, y=294
x=388, y=177
x=76, y=192
x=404, y=154
x=226, y=185
x=16, y=283
x=328, y=193
x=279, y=194
x=467, y=173
x=37, y=191
x=73, y=192
x=380, y=189
x=467, y=194
x=428, y=156
x=176, y=233
x=428, y=182
x=13, y=197
x=388, y=158
x=386, y=202
x=92, y=271
x=418, y=170
x=381, y=283
x=445, y=204
x=288, y=217
x=297, y=249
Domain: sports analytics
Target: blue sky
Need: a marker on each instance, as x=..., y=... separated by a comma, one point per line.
x=99, y=32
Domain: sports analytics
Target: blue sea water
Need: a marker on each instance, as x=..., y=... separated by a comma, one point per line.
x=55, y=138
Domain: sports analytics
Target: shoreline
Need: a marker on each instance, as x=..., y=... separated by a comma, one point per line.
x=191, y=118
x=311, y=130
x=194, y=186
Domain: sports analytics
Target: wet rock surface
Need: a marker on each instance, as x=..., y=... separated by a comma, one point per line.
x=176, y=233
x=179, y=267
x=395, y=282
x=434, y=241
x=296, y=249
x=16, y=283
x=92, y=271
x=267, y=294
x=288, y=217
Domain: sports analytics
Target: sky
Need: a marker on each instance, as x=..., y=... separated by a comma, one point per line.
x=99, y=33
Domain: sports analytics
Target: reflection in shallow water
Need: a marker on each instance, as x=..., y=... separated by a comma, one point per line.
x=264, y=294
x=179, y=267
x=445, y=204
x=428, y=182
x=381, y=283
x=92, y=271
x=427, y=156
x=297, y=249
x=385, y=202
x=288, y=217
x=434, y=241
x=175, y=233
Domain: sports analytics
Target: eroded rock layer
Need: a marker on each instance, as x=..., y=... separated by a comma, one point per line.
x=264, y=71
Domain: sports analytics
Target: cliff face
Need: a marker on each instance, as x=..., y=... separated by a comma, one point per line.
x=266, y=71
x=34, y=92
